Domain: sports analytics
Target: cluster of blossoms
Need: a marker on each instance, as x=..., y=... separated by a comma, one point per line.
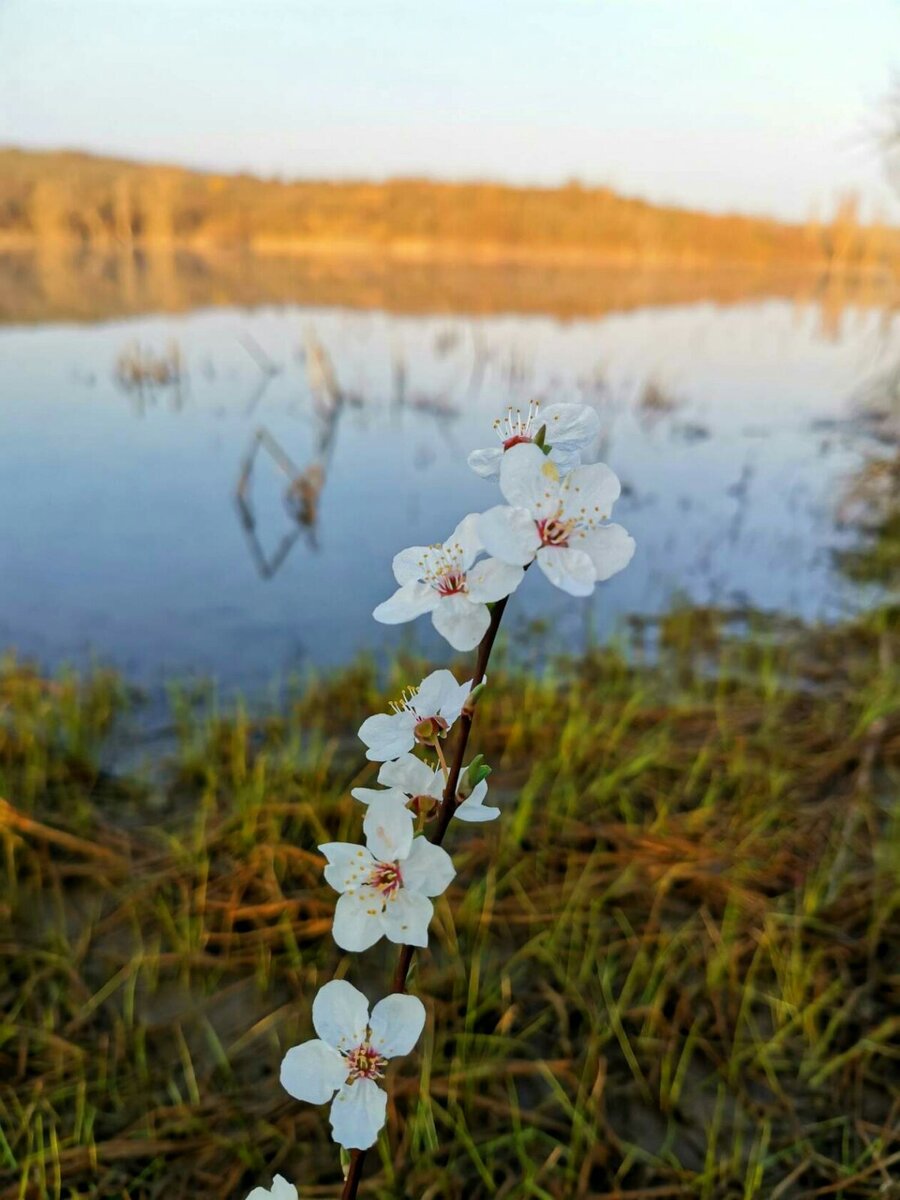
x=556, y=514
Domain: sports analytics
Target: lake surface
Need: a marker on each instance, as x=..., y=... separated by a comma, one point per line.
x=125, y=539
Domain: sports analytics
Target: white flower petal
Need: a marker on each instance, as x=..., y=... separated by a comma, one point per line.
x=428, y=869
x=610, y=549
x=486, y=463
x=465, y=537
x=407, y=916
x=436, y=787
x=388, y=826
x=476, y=813
x=529, y=479
x=366, y=795
x=437, y=691
x=509, y=534
x=358, y=1114
x=357, y=919
x=340, y=1015
x=566, y=460
x=388, y=735
x=348, y=865
x=282, y=1190
x=461, y=622
x=570, y=427
x=452, y=703
x=589, y=493
x=490, y=580
x=397, y=1023
x=568, y=569
x=312, y=1072
x=408, y=774
x=474, y=808
x=407, y=565
x=408, y=602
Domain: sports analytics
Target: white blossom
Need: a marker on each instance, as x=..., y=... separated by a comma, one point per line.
x=386, y=886
x=421, y=714
x=446, y=581
x=348, y=1057
x=409, y=780
x=562, y=522
x=570, y=428
x=280, y=1190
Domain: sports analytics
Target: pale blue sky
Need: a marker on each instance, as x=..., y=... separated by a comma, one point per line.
x=757, y=105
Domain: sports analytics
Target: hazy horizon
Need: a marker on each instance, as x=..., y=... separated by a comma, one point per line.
x=731, y=107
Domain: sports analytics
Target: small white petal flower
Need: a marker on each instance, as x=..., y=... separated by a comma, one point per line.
x=474, y=808
x=443, y=580
x=414, y=783
x=571, y=428
x=281, y=1190
x=386, y=886
x=559, y=521
x=346, y=1060
x=420, y=714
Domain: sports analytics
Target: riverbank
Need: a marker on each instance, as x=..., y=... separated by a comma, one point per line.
x=669, y=970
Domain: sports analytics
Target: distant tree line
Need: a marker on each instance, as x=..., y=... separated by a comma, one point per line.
x=105, y=202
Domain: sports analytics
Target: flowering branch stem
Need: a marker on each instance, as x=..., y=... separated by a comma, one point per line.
x=445, y=815
x=440, y=753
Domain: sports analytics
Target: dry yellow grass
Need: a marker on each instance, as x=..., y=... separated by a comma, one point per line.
x=670, y=969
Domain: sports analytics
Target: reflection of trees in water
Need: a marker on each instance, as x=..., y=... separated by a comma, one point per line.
x=304, y=485
x=268, y=369
x=55, y=281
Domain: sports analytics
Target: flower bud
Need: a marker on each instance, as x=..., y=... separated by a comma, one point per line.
x=468, y=708
x=476, y=772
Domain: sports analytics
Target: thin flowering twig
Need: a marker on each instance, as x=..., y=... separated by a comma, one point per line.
x=449, y=803
x=386, y=886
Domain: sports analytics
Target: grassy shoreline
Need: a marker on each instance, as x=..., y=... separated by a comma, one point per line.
x=669, y=970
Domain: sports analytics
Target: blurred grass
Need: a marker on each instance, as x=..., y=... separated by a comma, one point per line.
x=670, y=970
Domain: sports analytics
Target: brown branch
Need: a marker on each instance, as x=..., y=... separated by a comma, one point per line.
x=449, y=803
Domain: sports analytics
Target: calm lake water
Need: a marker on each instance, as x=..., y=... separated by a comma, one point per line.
x=124, y=540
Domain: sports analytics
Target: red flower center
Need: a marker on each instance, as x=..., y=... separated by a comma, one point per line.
x=386, y=878
x=451, y=583
x=554, y=532
x=364, y=1062
x=516, y=440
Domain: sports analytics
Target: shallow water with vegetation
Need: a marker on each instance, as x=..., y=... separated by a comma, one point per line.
x=220, y=492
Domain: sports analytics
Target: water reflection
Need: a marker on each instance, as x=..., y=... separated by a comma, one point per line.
x=303, y=485
x=338, y=437
x=143, y=374
x=56, y=280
